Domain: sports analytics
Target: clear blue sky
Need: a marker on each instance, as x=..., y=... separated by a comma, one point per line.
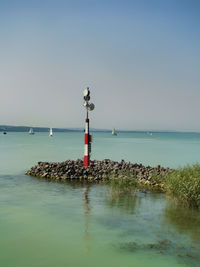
x=140, y=58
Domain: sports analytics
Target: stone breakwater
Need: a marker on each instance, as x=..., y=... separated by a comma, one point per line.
x=98, y=170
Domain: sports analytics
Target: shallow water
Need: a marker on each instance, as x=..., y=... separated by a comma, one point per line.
x=53, y=224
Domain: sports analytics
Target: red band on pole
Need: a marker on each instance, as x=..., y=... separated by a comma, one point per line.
x=86, y=161
x=86, y=139
x=87, y=142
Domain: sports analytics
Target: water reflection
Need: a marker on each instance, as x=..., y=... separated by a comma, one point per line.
x=147, y=209
x=184, y=220
x=123, y=197
x=86, y=207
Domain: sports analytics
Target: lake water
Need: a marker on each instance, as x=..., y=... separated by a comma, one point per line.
x=53, y=224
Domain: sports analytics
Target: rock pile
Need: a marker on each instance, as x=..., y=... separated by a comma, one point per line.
x=98, y=170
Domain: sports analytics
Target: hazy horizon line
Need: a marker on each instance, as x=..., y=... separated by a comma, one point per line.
x=100, y=129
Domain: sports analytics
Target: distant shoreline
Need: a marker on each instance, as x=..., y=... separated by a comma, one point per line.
x=12, y=128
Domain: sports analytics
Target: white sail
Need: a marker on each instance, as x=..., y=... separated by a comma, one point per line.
x=114, y=132
x=50, y=132
x=31, y=131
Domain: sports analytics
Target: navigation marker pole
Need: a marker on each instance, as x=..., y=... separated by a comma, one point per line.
x=88, y=137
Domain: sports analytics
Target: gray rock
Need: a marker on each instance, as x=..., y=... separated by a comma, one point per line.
x=97, y=170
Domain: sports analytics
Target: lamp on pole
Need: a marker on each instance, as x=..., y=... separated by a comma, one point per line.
x=88, y=137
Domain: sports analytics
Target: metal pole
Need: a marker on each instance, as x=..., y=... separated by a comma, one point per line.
x=87, y=137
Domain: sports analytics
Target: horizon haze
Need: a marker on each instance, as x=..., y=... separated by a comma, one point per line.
x=141, y=60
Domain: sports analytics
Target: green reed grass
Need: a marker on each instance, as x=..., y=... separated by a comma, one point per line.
x=123, y=179
x=184, y=185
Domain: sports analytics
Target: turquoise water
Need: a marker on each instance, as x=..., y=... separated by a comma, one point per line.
x=53, y=224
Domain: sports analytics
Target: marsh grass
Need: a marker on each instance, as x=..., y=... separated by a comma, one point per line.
x=123, y=189
x=123, y=179
x=184, y=185
x=159, y=179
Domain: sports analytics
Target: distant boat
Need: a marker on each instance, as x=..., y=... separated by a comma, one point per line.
x=50, y=132
x=114, y=132
x=150, y=133
x=4, y=132
x=31, y=131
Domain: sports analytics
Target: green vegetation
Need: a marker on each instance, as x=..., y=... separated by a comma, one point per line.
x=124, y=179
x=183, y=185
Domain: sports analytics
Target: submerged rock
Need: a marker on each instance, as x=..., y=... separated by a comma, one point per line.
x=166, y=247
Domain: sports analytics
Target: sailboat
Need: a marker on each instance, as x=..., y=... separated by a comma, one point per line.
x=50, y=132
x=31, y=131
x=114, y=132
